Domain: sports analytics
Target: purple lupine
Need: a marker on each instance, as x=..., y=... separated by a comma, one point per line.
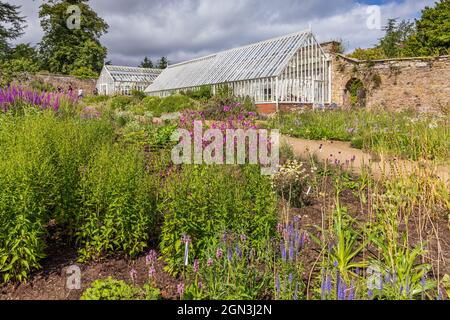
x=283, y=251
x=291, y=251
x=423, y=281
x=180, y=289
x=408, y=288
x=351, y=293
x=229, y=254
x=278, y=284
x=196, y=266
x=291, y=278
x=151, y=272
x=219, y=253
x=322, y=287
x=151, y=257
x=338, y=285
x=370, y=293
x=328, y=287
x=388, y=276
x=238, y=252
x=210, y=262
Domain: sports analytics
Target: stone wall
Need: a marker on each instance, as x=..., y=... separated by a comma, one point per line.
x=88, y=85
x=421, y=84
x=63, y=81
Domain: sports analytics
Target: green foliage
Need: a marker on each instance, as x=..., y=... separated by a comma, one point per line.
x=41, y=86
x=11, y=25
x=84, y=73
x=214, y=108
x=121, y=102
x=117, y=211
x=39, y=173
x=138, y=95
x=433, y=30
x=162, y=63
x=395, y=37
x=151, y=103
x=368, y=54
x=240, y=273
x=116, y=290
x=396, y=134
x=16, y=69
x=64, y=50
x=428, y=36
x=110, y=289
x=204, y=93
x=203, y=201
x=146, y=63
x=171, y=104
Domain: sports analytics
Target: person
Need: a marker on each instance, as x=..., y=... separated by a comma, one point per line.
x=70, y=90
x=95, y=92
x=80, y=93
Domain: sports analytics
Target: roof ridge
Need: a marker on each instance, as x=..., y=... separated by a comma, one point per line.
x=241, y=47
x=138, y=68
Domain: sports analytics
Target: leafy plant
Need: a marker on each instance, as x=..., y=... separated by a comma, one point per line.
x=202, y=201
x=110, y=289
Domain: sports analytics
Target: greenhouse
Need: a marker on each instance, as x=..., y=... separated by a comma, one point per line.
x=123, y=80
x=292, y=69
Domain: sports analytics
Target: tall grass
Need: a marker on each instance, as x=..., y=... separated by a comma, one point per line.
x=402, y=134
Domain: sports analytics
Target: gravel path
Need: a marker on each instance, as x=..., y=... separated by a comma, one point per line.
x=355, y=160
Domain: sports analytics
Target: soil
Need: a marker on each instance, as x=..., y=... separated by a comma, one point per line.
x=50, y=283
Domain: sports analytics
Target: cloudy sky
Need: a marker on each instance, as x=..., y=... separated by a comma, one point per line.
x=185, y=29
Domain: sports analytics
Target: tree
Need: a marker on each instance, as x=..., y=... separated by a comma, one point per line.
x=162, y=63
x=11, y=26
x=433, y=31
x=64, y=48
x=396, y=36
x=146, y=63
x=25, y=51
x=368, y=54
x=16, y=70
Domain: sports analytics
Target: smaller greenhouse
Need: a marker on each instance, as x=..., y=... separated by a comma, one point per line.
x=291, y=69
x=123, y=80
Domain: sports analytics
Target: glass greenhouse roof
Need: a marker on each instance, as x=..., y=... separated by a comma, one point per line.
x=259, y=60
x=132, y=74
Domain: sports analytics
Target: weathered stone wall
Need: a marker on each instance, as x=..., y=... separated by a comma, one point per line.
x=88, y=85
x=421, y=84
x=63, y=81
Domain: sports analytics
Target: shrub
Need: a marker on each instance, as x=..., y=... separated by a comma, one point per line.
x=151, y=103
x=204, y=93
x=138, y=94
x=221, y=108
x=84, y=73
x=39, y=176
x=121, y=102
x=117, y=204
x=110, y=289
x=203, y=201
x=173, y=104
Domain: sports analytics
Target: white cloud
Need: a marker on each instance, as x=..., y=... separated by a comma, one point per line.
x=183, y=29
